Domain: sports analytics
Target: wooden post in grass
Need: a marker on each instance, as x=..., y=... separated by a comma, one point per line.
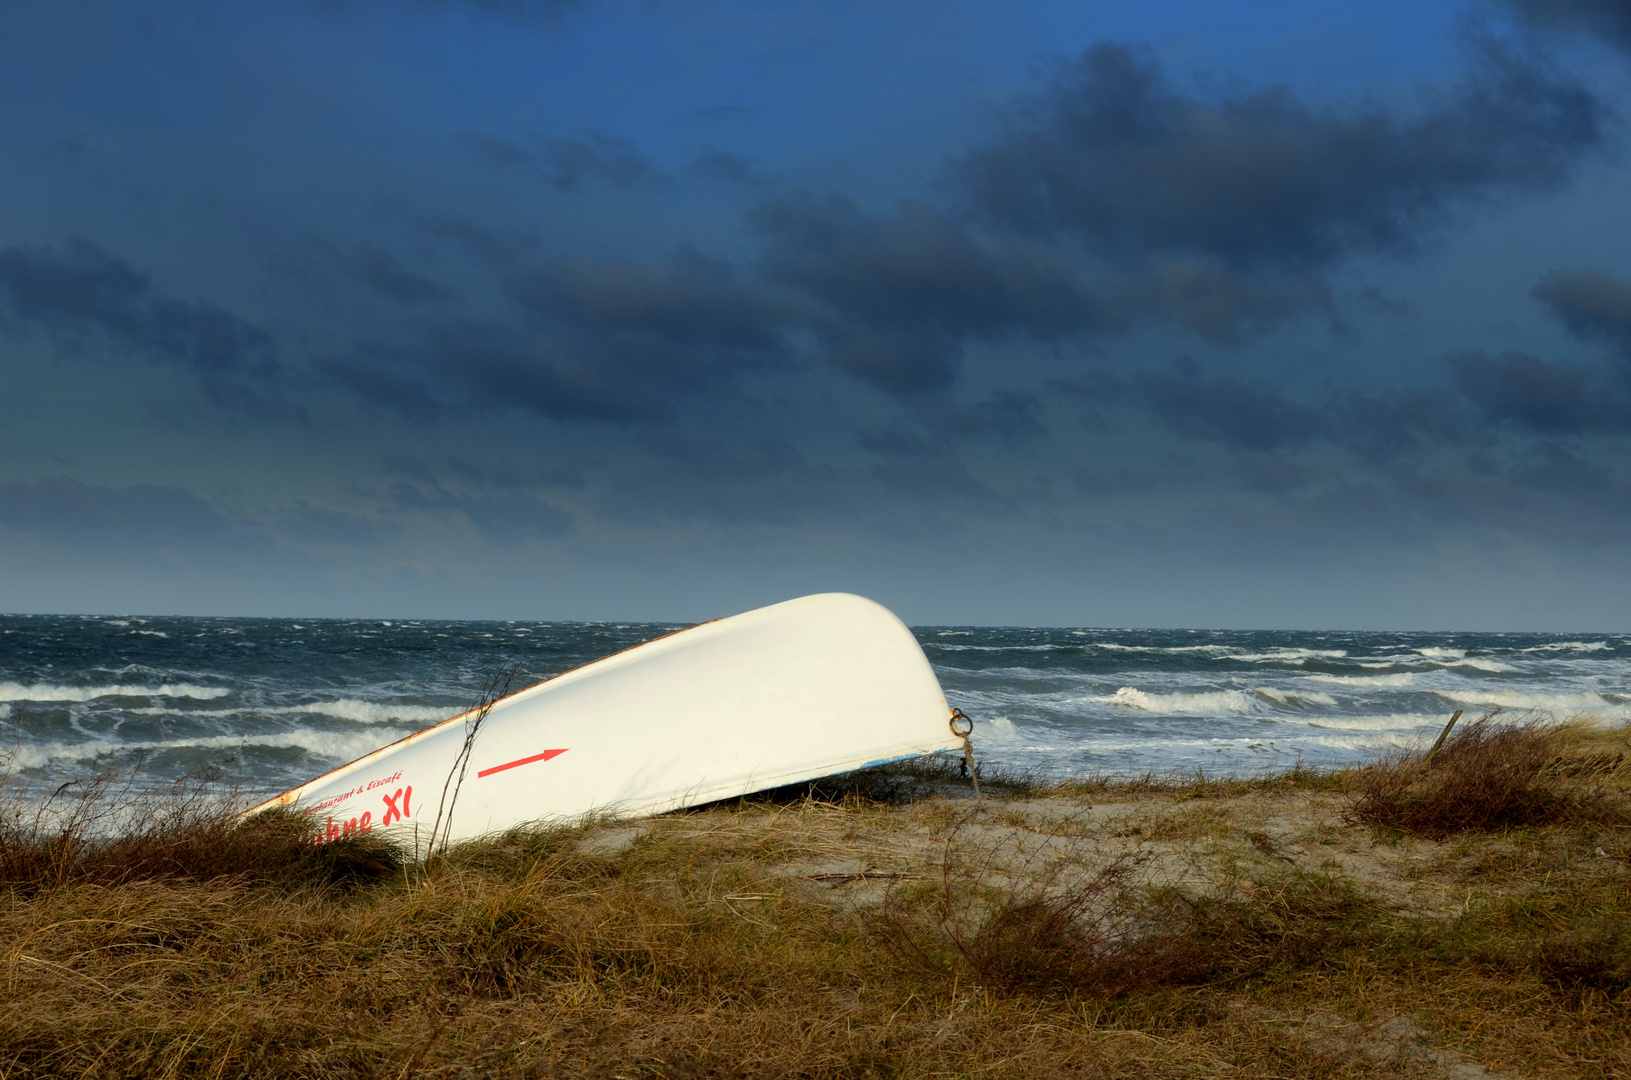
x=1445, y=734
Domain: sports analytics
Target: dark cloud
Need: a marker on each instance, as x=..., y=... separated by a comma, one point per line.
x=1395, y=425
x=506, y=519
x=567, y=164
x=501, y=246
x=1116, y=156
x=1225, y=410
x=451, y=368
x=144, y=515
x=514, y=475
x=684, y=323
x=1559, y=470
x=545, y=11
x=85, y=292
x=380, y=271
x=496, y=152
x=1557, y=398
x=1008, y=417
x=1111, y=482
x=1593, y=304
x=936, y=478
x=1223, y=305
x=723, y=477
x=600, y=341
x=399, y=378
x=515, y=9
x=725, y=168
x=897, y=294
x=319, y=525
x=1609, y=20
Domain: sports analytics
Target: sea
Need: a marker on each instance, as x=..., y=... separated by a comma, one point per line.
x=275, y=702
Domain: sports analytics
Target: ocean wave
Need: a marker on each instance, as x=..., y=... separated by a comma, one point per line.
x=329, y=745
x=1294, y=697
x=1000, y=729
x=1478, y=663
x=949, y=647
x=1403, y=678
x=354, y=709
x=1556, y=704
x=1378, y=722
x=1435, y=653
x=375, y=712
x=10, y=691
x=1216, y=701
x=1290, y=656
x=1570, y=646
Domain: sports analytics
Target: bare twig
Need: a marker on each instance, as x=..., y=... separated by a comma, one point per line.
x=498, y=686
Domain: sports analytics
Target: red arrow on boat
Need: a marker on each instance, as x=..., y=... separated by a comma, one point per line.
x=545, y=756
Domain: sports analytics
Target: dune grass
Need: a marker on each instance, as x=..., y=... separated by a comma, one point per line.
x=873, y=927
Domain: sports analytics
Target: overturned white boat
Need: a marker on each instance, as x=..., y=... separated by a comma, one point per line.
x=808, y=688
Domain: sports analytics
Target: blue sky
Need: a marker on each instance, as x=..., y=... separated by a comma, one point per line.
x=1299, y=315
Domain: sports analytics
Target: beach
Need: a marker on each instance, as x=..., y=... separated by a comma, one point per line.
x=1312, y=922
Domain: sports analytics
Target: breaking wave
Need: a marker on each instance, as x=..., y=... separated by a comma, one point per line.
x=10, y=691
x=1403, y=678
x=1218, y=701
x=324, y=745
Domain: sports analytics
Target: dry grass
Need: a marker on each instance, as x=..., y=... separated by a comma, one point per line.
x=1488, y=777
x=887, y=931
x=101, y=830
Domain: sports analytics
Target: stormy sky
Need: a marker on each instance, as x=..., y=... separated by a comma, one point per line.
x=1106, y=314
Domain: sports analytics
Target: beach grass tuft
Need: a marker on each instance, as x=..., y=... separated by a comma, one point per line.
x=1487, y=776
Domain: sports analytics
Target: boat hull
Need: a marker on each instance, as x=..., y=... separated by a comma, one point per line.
x=808, y=688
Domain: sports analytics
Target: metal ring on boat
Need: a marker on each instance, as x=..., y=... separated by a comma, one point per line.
x=961, y=732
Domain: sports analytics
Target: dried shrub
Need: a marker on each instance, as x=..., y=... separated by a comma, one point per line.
x=1297, y=920
x=1595, y=954
x=1486, y=776
x=104, y=830
x=1046, y=935
x=1066, y=929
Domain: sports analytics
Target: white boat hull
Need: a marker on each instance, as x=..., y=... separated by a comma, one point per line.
x=791, y=692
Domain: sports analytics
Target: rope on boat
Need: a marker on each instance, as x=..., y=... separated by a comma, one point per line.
x=962, y=725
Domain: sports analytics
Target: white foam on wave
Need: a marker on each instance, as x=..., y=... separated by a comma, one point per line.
x=1403, y=678
x=1217, y=701
x=354, y=709
x=1232, y=652
x=1294, y=697
x=1436, y=653
x=1379, y=722
x=999, y=729
x=1570, y=646
x=374, y=712
x=10, y=691
x=1478, y=663
x=1290, y=656
x=944, y=646
x=331, y=745
x=1557, y=704
x=151, y=633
